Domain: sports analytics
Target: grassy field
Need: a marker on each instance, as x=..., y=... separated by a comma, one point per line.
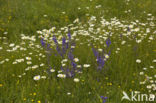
x=77, y=51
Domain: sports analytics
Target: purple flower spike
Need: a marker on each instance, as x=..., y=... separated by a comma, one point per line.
x=74, y=65
x=108, y=42
x=69, y=35
x=103, y=99
x=63, y=41
x=55, y=40
x=100, y=62
x=95, y=52
x=42, y=42
x=70, y=56
x=48, y=47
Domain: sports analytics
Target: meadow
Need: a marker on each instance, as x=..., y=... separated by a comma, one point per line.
x=77, y=51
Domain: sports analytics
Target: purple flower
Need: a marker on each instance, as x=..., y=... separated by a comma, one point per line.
x=103, y=99
x=48, y=47
x=108, y=42
x=100, y=56
x=63, y=41
x=69, y=35
x=64, y=46
x=95, y=52
x=74, y=65
x=100, y=62
x=66, y=49
x=69, y=72
x=42, y=42
x=70, y=56
x=55, y=40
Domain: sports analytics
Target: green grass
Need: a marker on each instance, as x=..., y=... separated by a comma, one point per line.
x=121, y=72
x=26, y=16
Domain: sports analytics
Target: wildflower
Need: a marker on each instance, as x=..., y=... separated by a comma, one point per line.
x=1, y=85
x=86, y=65
x=2, y=62
x=138, y=61
x=24, y=74
x=144, y=68
x=14, y=63
x=76, y=20
x=136, y=29
x=52, y=70
x=63, y=65
x=11, y=45
x=63, y=12
x=151, y=67
x=154, y=61
x=79, y=66
x=60, y=71
x=70, y=56
x=141, y=73
x=29, y=62
x=34, y=93
x=100, y=50
x=61, y=75
x=45, y=15
x=19, y=60
x=42, y=42
x=41, y=64
x=142, y=83
x=6, y=60
x=38, y=101
x=138, y=41
x=55, y=40
x=149, y=87
x=118, y=49
x=103, y=99
x=64, y=60
x=108, y=42
x=43, y=77
x=76, y=80
x=123, y=42
x=35, y=66
x=30, y=53
x=72, y=46
x=106, y=56
x=76, y=59
x=5, y=33
x=28, y=58
x=37, y=77
x=116, y=52
x=68, y=93
x=73, y=64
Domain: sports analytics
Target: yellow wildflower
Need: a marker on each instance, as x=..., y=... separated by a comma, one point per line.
x=24, y=99
x=38, y=101
x=34, y=93
x=1, y=85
